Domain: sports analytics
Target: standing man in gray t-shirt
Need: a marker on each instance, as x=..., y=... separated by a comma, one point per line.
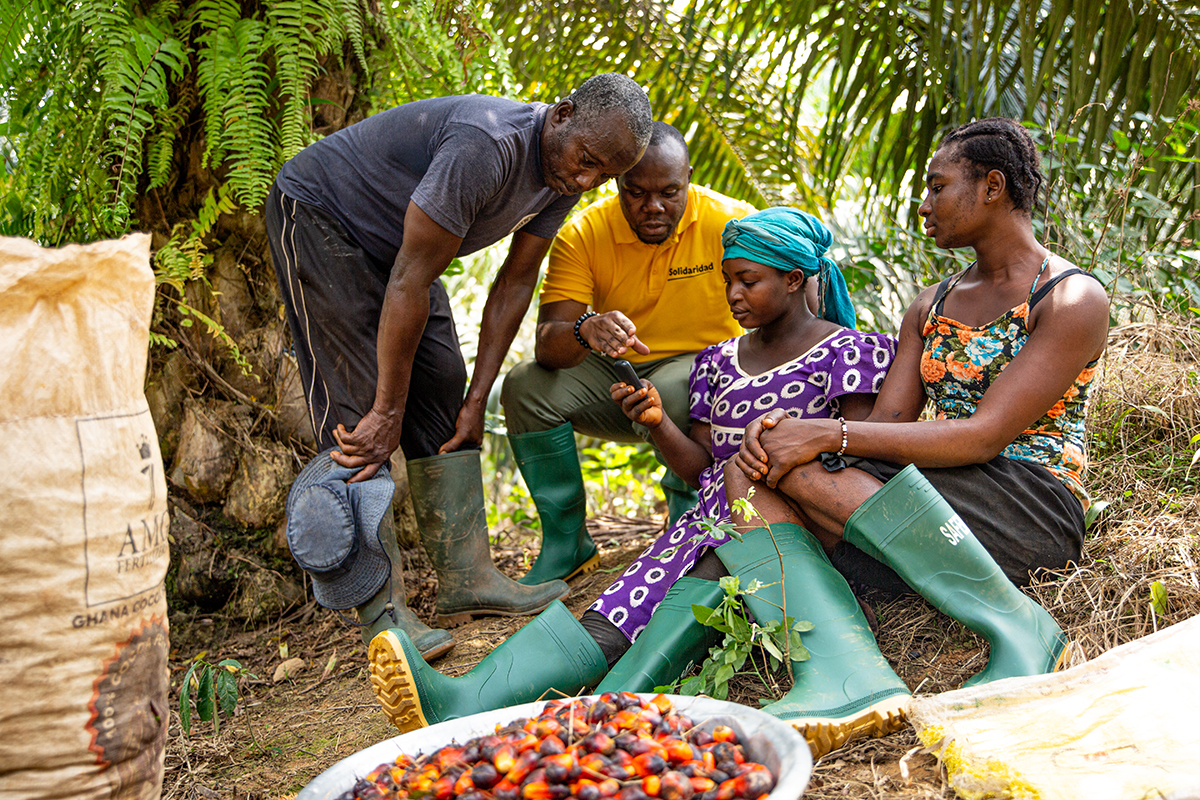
x=362, y=225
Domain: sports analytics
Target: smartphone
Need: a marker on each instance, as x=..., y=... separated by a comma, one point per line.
x=627, y=374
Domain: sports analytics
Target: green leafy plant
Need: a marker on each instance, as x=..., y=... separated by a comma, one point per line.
x=778, y=640
x=211, y=689
x=1158, y=601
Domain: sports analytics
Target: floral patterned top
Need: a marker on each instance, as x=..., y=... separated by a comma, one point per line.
x=960, y=362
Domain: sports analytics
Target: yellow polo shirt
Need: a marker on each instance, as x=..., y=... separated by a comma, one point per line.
x=673, y=292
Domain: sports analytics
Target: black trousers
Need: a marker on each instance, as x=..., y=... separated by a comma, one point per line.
x=333, y=294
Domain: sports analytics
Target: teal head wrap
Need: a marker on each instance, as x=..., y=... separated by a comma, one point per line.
x=787, y=239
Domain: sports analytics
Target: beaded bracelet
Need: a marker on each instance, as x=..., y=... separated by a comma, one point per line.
x=579, y=322
x=845, y=437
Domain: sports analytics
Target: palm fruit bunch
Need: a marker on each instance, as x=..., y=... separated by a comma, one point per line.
x=612, y=746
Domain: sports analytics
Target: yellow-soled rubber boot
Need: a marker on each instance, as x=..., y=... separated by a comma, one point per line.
x=552, y=655
x=846, y=690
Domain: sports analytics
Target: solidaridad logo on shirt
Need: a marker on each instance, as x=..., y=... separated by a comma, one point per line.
x=675, y=273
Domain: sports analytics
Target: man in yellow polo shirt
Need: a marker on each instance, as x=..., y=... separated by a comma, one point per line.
x=648, y=263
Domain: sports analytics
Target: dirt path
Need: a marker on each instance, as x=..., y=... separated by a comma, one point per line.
x=285, y=734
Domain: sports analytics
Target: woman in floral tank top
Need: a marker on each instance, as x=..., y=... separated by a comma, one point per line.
x=1006, y=352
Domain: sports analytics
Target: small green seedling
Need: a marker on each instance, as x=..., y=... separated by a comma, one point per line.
x=211, y=689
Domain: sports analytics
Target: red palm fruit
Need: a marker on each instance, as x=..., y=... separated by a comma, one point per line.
x=700, y=785
x=701, y=737
x=629, y=700
x=420, y=785
x=521, y=768
x=584, y=789
x=551, y=746
x=526, y=741
x=484, y=775
x=488, y=745
x=626, y=740
x=602, y=709
x=475, y=795
x=644, y=745
x=464, y=783
x=543, y=727
x=404, y=761
x=710, y=763
x=442, y=788
x=626, y=719
x=651, y=717
x=676, y=786
x=662, y=703
x=651, y=784
x=448, y=756
x=648, y=764
x=679, y=751
x=632, y=793
x=536, y=790
x=506, y=790
x=593, y=763
x=755, y=782
x=505, y=757
x=724, y=733
x=609, y=787
x=597, y=742
x=727, y=790
x=724, y=752
x=620, y=766
x=561, y=768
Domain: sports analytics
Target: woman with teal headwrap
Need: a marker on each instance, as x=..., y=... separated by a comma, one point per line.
x=787, y=240
x=641, y=632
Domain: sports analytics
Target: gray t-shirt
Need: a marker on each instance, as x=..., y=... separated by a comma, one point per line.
x=471, y=162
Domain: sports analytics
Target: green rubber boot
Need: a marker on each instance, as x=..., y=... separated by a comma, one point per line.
x=549, y=464
x=846, y=690
x=916, y=533
x=447, y=493
x=551, y=654
x=670, y=643
x=389, y=608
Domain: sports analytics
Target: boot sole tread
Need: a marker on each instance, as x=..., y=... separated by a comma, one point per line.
x=392, y=681
x=824, y=736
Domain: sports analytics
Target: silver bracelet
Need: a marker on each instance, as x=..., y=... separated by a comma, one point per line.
x=845, y=437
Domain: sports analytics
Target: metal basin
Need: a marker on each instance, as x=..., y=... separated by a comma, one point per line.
x=766, y=740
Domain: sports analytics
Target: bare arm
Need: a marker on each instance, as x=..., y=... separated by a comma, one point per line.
x=1071, y=331
x=611, y=333
x=506, y=305
x=688, y=454
x=425, y=252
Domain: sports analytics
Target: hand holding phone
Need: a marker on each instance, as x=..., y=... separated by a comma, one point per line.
x=627, y=374
x=643, y=407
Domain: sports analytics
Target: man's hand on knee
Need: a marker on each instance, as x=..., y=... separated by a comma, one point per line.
x=369, y=445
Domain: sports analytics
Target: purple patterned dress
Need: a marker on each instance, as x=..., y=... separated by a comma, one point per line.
x=726, y=397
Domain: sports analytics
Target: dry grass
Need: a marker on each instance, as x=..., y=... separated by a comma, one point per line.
x=1143, y=420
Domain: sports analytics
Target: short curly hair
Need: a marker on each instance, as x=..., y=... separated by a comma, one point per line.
x=612, y=91
x=1003, y=144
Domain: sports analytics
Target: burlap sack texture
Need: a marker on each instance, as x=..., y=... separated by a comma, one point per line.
x=83, y=526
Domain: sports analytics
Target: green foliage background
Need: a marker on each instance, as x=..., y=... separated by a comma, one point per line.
x=164, y=115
